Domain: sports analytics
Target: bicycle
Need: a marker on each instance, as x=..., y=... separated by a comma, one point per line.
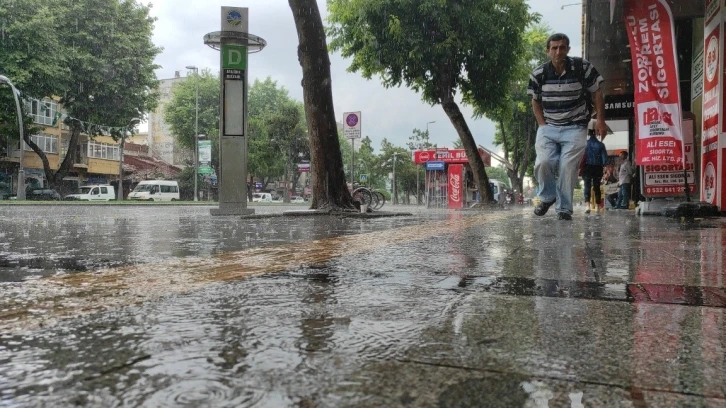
x=364, y=195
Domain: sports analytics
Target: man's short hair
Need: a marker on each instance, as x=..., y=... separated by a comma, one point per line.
x=623, y=153
x=558, y=37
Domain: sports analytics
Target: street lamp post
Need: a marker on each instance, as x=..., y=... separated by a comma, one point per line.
x=196, y=129
x=120, y=193
x=21, y=171
x=419, y=146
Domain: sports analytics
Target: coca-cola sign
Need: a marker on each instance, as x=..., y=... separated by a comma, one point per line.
x=456, y=193
x=455, y=188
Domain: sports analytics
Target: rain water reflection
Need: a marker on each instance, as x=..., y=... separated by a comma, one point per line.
x=436, y=309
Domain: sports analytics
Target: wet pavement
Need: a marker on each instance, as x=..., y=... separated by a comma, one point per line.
x=152, y=307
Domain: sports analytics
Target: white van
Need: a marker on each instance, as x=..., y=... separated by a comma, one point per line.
x=156, y=190
x=94, y=193
x=261, y=198
x=497, y=188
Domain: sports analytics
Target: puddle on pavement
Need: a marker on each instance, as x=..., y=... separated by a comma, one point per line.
x=316, y=312
x=43, y=301
x=624, y=292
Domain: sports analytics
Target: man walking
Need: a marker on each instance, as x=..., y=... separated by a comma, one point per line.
x=560, y=92
x=625, y=174
x=596, y=157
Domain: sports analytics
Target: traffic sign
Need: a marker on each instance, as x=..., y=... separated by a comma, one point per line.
x=352, y=125
x=435, y=165
x=363, y=178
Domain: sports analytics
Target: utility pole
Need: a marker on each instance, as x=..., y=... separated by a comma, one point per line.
x=196, y=130
x=21, y=171
x=120, y=192
x=419, y=147
x=395, y=188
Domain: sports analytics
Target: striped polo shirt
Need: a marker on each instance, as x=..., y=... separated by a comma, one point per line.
x=562, y=96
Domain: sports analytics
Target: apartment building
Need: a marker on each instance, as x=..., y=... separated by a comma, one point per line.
x=96, y=160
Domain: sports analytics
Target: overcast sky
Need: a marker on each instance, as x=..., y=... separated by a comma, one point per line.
x=386, y=113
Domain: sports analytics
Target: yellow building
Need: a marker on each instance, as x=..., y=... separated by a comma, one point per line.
x=96, y=159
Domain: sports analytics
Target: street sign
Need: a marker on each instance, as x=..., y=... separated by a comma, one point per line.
x=435, y=165
x=352, y=125
x=303, y=167
x=363, y=178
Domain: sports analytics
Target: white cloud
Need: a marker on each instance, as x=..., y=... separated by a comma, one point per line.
x=387, y=113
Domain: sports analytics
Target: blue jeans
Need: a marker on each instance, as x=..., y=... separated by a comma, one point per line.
x=624, y=197
x=559, y=151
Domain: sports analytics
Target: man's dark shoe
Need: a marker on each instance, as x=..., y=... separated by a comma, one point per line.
x=564, y=216
x=542, y=207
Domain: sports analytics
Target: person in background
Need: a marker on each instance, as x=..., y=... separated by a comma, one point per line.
x=596, y=156
x=625, y=177
x=608, y=177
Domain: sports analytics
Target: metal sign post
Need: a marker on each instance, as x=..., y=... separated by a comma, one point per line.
x=234, y=44
x=352, y=131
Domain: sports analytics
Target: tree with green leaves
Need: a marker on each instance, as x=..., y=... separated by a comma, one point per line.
x=276, y=124
x=330, y=190
x=180, y=112
x=437, y=48
x=29, y=57
x=277, y=133
x=100, y=65
x=516, y=126
x=419, y=140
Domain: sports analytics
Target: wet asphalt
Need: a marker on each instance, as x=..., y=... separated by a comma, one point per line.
x=154, y=306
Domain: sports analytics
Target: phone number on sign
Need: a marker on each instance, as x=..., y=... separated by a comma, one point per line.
x=666, y=190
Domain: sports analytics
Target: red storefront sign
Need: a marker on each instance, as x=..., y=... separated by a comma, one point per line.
x=711, y=113
x=456, y=186
x=659, y=138
x=448, y=156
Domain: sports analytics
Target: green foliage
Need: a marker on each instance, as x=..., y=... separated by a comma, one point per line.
x=437, y=48
x=31, y=49
x=419, y=139
x=276, y=123
x=515, y=123
x=430, y=45
x=499, y=173
x=179, y=113
x=278, y=139
x=186, y=184
x=109, y=60
x=95, y=55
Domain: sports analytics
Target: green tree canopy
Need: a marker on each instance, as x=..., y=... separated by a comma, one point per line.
x=276, y=123
x=95, y=55
x=438, y=48
x=515, y=124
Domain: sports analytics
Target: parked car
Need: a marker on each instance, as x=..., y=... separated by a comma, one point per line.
x=261, y=198
x=94, y=193
x=45, y=194
x=297, y=200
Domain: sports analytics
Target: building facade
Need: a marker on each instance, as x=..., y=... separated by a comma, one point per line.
x=700, y=47
x=96, y=159
x=160, y=140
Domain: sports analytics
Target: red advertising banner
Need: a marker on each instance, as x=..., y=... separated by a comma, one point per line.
x=456, y=186
x=711, y=112
x=448, y=156
x=659, y=138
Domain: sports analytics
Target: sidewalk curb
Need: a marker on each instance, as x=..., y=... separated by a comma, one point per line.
x=313, y=213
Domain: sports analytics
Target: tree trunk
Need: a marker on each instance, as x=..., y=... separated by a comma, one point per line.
x=326, y=161
x=472, y=152
x=55, y=178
